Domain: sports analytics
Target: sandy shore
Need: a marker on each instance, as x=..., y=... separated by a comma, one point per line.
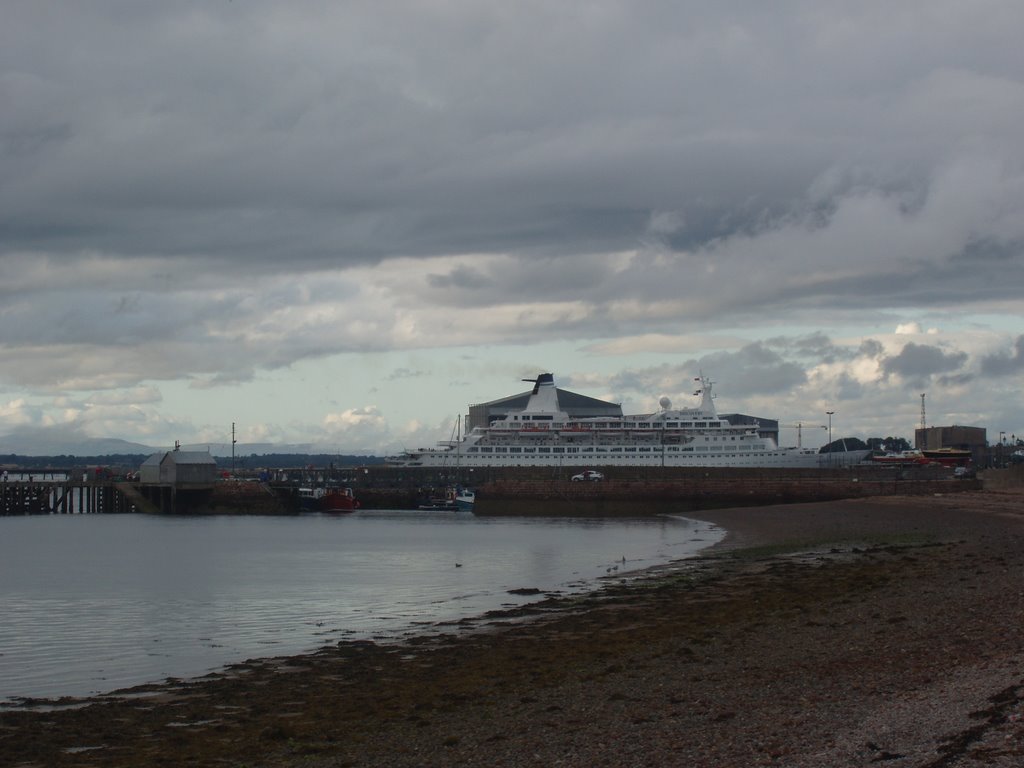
x=886, y=631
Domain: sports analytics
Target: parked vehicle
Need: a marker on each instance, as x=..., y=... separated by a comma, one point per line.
x=588, y=475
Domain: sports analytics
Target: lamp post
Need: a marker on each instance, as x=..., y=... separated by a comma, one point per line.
x=829, y=436
x=1002, y=440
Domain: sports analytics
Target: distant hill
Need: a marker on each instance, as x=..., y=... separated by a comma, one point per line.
x=62, y=448
x=54, y=447
x=54, y=443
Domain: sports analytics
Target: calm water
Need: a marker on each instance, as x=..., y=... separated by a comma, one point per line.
x=91, y=603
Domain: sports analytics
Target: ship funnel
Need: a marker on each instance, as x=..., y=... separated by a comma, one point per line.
x=544, y=379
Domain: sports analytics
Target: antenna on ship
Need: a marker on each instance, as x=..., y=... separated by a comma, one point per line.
x=707, y=398
x=922, y=411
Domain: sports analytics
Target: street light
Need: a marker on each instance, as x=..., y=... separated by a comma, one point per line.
x=830, y=436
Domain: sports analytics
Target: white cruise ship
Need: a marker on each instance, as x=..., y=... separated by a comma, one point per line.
x=543, y=435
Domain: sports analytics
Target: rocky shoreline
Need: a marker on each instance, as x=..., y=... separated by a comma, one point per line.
x=872, y=631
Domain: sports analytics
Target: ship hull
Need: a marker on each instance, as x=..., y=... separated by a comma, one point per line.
x=779, y=458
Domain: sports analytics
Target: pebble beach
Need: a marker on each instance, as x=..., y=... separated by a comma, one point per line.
x=885, y=631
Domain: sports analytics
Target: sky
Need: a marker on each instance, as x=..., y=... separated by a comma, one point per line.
x=335, y=225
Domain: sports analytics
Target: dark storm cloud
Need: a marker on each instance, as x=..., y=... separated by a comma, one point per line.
x=339, y=134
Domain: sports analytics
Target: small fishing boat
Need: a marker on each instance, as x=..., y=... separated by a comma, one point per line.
x=455, y=499
x=445, y=503
x=328, y=499
x=465, y=499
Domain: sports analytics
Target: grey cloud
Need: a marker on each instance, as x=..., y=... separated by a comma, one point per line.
x=1006, y=364
x=816, y=346
x=460, y=278
x=404, y=373
x=136, y=396
x=753, y=370
x=226, y=378
x=956, y=380
x=849, y=388
x=988, y=249
x=378, y=135
x=918, y=362
x=871, y=348
x=178, y=181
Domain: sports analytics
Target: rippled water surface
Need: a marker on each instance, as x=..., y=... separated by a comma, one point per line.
x=91, y=603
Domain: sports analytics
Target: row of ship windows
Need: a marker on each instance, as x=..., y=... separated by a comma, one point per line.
x=640, y=424
x=669, y=448
x=707, y=439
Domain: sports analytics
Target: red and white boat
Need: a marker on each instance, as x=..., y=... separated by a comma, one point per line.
x=947, y=457
x=901, y=458
x=328, y=499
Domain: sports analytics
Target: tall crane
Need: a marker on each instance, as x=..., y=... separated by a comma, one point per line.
x=799, y=427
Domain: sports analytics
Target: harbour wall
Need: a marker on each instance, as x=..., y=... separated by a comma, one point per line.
x=1007, y=478
x=654, y=490
x=513, y=490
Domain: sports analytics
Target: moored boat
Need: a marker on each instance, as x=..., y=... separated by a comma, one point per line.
x=900, y=458
x=445, y=503
x=543, y=434
x=328, y=499
x=455, y=499
x=465, y=499
x=951, y=457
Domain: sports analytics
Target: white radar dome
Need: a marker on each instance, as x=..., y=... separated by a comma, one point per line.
x=665, y=403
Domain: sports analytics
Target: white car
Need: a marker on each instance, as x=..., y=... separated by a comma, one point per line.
x=590, y=474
